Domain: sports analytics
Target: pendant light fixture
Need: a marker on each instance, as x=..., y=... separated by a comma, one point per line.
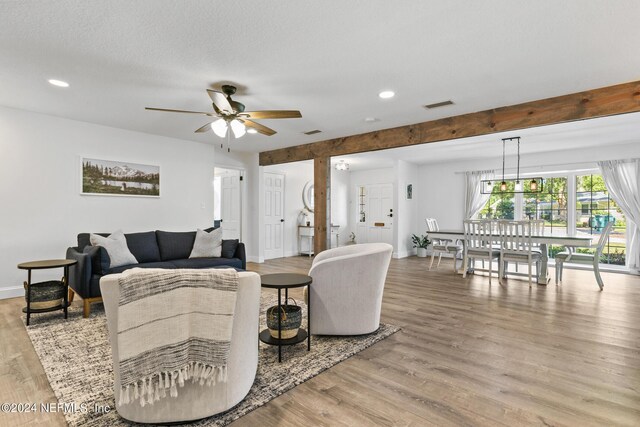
x=503, y=184
x=535, y=184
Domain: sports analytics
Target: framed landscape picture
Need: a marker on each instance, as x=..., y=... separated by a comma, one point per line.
x=118, y=178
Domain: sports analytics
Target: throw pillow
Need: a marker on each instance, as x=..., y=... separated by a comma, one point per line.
x=116, y=247
x=207, y=245
x=229, y=248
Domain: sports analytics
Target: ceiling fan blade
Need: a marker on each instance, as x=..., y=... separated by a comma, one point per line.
x=179, y=111
x=220, y=100
x=272, y=114
x=205, y=128
x=257, y=126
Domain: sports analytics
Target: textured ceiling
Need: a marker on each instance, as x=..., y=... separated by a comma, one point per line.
x=328, y=59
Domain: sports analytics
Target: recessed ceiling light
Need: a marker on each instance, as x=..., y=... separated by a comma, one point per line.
x=58, y=83
x=371, y=119
x=386, y=94
x=251, y=130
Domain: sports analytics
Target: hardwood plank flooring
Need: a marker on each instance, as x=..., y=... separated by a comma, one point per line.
x=468, y=354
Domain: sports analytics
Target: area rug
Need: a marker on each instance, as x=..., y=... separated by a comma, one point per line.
x=76, y=357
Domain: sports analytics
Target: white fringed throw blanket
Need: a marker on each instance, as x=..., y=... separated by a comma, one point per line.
x=173, y=325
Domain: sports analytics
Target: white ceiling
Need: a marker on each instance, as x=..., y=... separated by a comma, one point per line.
x=328, y=59
x=581, y=135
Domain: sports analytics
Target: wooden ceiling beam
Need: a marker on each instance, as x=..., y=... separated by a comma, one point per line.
x=607, y=101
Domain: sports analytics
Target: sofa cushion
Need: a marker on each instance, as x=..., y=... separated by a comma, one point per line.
x=207, y=244
x=176, y=245
x=84, y=239
x=207, y=262
x=116, y=247
x=144, y=246
x=162, y=264
x=229, y=248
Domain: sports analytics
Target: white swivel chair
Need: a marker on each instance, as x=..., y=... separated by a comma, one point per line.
x=478, y=241
x=516, y=246
x=579, y=258
x=346, y=293
x=195, y=401
x=440, y=246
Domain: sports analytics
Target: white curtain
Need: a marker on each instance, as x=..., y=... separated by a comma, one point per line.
x=622, y=178
x=474, y=200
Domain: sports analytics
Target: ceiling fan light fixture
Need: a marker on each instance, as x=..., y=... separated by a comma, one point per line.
x=251, y=130
x=238, y=128
x=219, y=127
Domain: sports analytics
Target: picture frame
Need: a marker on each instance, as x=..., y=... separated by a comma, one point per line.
x=102, y=177
x=409, y=191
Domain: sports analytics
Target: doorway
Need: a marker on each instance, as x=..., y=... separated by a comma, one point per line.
x=375, y=213
x=227, y=203
x=273, y=215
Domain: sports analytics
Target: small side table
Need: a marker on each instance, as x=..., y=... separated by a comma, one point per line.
x=286, y=281
x=32, y=288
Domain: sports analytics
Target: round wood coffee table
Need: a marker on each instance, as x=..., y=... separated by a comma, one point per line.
x=36, y=291
x=286, y=281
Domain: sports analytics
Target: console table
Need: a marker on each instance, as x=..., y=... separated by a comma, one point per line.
x=307, y=232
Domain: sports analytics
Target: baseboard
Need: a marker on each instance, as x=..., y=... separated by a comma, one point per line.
x=403, y=254
x=256, y=259
x=11, y=292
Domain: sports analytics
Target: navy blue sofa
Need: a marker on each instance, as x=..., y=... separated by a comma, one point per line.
x=152, y=249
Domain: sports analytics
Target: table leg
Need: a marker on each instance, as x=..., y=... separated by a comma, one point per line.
x=28, y=296
x=543, y=274
x=66, y=290
x=279, y=327
x=309, y=319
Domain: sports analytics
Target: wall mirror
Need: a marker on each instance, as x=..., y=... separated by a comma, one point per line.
x=307, y=196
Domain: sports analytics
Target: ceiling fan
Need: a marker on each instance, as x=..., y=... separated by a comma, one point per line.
x=231, y=114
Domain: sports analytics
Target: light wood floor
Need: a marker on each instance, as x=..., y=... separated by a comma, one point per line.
x=468, y=354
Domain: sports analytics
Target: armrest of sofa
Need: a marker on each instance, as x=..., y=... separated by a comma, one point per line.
x=80, y=273
x=241, y=255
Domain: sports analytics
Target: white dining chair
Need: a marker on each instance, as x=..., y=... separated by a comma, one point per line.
x=478, y=244
x=516, y=246
x=440, y=246
x=579, y=258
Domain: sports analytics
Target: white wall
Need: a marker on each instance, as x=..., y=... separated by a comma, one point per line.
x=340, y=204
x=441, y=193
x=43, y=211
x=296, y=176
x=405, y=210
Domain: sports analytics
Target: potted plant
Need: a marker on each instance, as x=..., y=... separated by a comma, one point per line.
x=422, y=243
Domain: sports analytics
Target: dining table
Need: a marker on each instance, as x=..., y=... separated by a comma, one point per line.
x=557, y=239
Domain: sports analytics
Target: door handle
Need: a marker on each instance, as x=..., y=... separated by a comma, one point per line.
x=390, y=215
x=221, y=220
x=282, y=220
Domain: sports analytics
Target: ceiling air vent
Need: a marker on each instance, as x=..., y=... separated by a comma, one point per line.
x=312, y=132
x=438, y=104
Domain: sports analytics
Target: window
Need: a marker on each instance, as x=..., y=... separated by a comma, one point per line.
x=595, y=210
x=549, y=205
x=500, y=205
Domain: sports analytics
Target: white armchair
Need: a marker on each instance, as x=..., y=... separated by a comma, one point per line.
x=346, y=293
x=195, y=401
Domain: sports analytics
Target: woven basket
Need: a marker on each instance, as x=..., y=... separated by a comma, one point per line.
x=46, y=294
x=290, y=320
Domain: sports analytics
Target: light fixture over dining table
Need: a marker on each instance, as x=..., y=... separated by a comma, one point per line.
x=534, y=185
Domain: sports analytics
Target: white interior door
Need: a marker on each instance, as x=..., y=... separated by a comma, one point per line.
x=230, y=205
x=273, y=215
x=380, y=213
